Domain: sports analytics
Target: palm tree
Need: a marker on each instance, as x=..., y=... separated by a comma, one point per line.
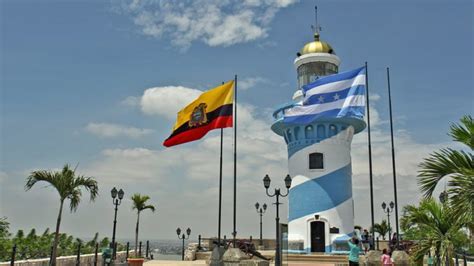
x=436, y=227
x=459, y=166
x=69, y=187
x=382, y=228
x=139, y=204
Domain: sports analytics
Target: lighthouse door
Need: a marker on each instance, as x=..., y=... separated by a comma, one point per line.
x=318, y=241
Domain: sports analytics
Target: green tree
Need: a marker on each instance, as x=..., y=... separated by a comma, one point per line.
x=139, y=204
x=68, y=185
x=4, y=227
x=435, y=227
x=381, y=228
x=456, y=164
x=5, y=243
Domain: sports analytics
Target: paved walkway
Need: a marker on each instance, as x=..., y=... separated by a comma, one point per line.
x=203, y=262
x=173, y=262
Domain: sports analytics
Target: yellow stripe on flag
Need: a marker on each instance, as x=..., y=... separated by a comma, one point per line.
x=213, y=98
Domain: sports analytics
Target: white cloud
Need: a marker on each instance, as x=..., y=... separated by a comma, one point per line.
x=214, y=22
x=251, y=82
x=167, y=101
x=131, y=101
x=107, y=130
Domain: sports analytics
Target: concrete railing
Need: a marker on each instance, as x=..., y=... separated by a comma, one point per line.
x=86, y=259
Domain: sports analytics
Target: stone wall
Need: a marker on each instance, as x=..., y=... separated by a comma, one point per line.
x=87, y=259
x=268, y=244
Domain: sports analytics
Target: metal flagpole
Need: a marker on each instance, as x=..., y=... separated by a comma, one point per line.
x=219, y=223
x=370, y=153
x=393, y=157
x=220, y=194
x=234, y=233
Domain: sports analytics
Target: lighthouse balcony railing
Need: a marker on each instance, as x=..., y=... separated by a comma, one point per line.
x=280, y=110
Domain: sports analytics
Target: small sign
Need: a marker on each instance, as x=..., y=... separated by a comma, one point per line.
x=334, y=230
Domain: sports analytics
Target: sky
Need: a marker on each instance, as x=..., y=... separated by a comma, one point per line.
x=97, y=84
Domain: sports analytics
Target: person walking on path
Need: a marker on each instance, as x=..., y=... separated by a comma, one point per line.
x=385, y=258
x=365, y=241
x=354, y=251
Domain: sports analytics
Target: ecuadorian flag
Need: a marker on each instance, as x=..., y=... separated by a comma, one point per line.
x=211, y=110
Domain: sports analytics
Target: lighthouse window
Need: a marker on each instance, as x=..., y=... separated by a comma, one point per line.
x=297, y=133
x=321, y=131
x=309, y=133
x=288, y=135
x=332, y=130
x=316, y=161
x=309, y=71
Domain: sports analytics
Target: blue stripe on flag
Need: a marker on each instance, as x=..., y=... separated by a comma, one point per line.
x=331, y=96
x=333, y=78
x=351, y=111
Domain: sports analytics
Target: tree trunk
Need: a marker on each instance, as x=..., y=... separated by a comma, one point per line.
x=136, y=234
x=56, y=236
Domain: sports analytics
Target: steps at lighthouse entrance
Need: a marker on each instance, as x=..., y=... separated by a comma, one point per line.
x=318, y=257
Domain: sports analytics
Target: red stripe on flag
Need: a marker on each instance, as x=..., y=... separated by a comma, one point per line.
x=199, y=132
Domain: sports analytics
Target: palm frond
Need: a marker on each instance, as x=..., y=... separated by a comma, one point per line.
x=464, y=132
x=139, y=202
x=151, y=207
x=89, y=184
x=441, y=164
x=74, y=199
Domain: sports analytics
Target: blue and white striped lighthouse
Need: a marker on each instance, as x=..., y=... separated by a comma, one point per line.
x=321, y=210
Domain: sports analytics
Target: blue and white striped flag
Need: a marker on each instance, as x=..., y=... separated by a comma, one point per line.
x=337, y=96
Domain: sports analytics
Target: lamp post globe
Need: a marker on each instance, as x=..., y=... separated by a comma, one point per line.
x=288, y=181
x=120, y=194
x=266, y=181
x=113, y=192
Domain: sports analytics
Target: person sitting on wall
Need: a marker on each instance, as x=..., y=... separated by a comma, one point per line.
x=354, y=251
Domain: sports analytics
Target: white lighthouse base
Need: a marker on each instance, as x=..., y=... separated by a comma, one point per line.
x=300, y=230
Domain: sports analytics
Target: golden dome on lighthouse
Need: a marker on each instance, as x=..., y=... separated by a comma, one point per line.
x=316, y=46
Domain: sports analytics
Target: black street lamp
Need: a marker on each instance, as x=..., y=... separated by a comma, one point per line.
x=116, y=201
x=261, y=211
x=277, y=193
x=183, y=237
x=388, y=210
